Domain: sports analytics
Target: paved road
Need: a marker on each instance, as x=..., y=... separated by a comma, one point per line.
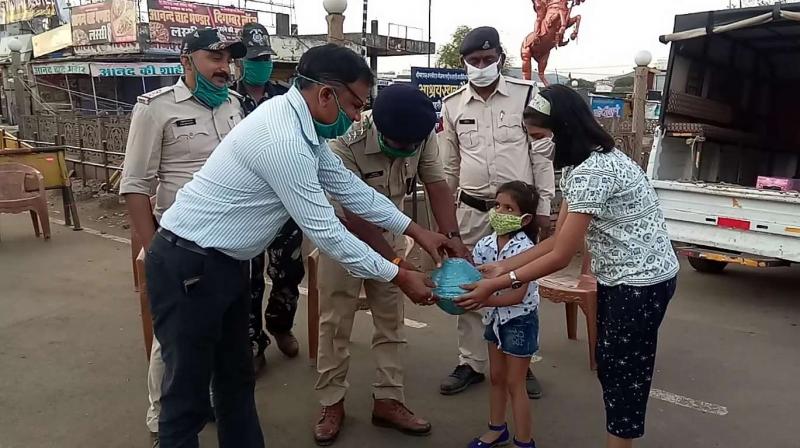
x=72, y=364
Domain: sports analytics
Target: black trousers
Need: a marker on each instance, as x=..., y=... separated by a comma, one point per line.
x=200, y=304
x=628, y=319
x=286, y=272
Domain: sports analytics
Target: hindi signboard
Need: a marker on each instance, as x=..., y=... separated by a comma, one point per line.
x=109, y=22
x=61, y=68
x=18, y=10
x=603, y=107
x=437, y=83
x=170, y=20
x=53, y=40
x=136, y=69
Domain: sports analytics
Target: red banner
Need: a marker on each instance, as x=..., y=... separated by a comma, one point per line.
x=170, y=20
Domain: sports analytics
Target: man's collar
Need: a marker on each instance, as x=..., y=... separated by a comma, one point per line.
x=298, y=103
x=501, y=88
x=182, y=92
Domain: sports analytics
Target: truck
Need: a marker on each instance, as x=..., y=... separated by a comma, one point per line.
x=730, y=120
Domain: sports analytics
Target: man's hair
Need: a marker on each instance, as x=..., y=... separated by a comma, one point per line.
x=576, y=133
x=332, y=63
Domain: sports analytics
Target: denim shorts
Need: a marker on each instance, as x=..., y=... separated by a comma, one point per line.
x=518, y=337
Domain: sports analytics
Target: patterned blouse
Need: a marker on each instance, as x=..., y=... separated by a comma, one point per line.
x=486, y=251
x=627, y=237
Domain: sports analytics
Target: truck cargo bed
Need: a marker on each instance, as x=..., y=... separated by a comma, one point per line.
x=732, y=217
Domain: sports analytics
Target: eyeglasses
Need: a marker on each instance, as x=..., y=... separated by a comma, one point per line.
x=363, y=102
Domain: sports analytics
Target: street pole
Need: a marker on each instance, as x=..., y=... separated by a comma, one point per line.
x=18, y=75
x=430, y=4
x=364, y=31
x=643, y=59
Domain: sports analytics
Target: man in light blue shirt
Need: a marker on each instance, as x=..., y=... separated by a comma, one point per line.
x=275, y=165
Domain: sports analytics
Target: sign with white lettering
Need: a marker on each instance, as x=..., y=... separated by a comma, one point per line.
x=61, y=68
x=135, y=69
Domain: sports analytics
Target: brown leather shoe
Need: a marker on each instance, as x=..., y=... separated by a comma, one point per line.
x=393, y=414
x=287, y=344
x=329, y=424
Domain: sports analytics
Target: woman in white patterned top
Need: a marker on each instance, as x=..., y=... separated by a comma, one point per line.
x=610, y=204
x=512, y=316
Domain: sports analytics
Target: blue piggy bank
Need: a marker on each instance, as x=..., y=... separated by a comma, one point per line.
x=449, y=278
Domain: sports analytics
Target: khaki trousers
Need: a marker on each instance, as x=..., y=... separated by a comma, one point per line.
x=473, y=350
x=338, y=303
x=155, y=375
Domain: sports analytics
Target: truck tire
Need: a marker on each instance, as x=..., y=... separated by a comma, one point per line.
x=707, y=266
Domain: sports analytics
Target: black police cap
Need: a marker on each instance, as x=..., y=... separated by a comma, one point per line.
x=256, y=38
x=212, y=39
x=482, y=38
x=404, y=114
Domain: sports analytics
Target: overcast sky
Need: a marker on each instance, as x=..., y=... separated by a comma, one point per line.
x=611, y=33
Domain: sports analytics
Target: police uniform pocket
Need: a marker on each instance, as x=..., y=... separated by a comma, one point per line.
x=191, y=139
x=510, y=129
x=467, y=130
x=378, y=180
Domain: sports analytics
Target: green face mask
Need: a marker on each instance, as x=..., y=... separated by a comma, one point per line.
x=257, y=73
x=339, y=127
x=207, y=92
x=393, y=152
x=503, y=223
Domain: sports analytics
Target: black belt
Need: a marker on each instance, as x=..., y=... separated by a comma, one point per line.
x=181, y=242
x=482, y=205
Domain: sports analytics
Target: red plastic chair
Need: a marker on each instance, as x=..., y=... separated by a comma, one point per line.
x=22, y=190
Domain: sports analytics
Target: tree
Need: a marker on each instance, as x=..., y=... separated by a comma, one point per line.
x=449, y=54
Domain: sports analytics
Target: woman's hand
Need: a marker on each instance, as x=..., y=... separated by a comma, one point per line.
x=479, y=295
x=491, y=270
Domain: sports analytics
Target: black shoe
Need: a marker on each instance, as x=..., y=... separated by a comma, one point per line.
x=461, y=378
x=533, y=386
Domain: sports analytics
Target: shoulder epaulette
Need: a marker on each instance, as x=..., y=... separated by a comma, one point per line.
x=359, y=130
x=456, y=93
x=150, y=96
x=519, y=82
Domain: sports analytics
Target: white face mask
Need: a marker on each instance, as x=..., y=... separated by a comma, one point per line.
x=483, y=77
x=543, y=147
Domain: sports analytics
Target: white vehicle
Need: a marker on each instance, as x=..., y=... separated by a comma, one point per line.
x=731, y=113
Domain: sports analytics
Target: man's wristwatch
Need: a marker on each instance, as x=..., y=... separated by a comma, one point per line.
x=451, y=235
x=515, y=283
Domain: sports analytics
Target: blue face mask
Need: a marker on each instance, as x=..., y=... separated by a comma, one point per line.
x=339, y=127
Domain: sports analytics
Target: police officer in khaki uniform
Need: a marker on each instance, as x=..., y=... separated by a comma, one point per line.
x=173, y=131
x=389, y=148
x=485, y=145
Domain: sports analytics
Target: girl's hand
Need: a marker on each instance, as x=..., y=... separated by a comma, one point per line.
x=491, y=270
x=478, y=297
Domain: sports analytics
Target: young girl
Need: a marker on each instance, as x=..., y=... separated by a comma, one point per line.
x=609, y=203
x=512, y=317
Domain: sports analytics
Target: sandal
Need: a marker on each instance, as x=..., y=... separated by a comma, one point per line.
x=502, y=440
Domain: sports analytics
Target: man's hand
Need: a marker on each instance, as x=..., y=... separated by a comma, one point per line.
x=416, y=285
x=408, y=266
x=457, y=249
x=544, y=224
x=433, y=243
